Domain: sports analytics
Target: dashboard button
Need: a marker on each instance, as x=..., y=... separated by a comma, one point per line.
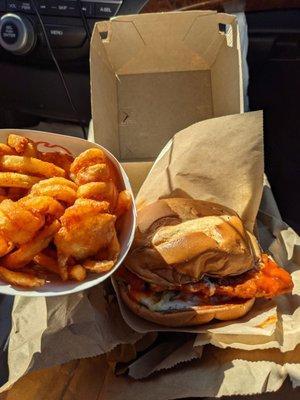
x=16, y=34
x=12, y=6
x=106, y=10
x=9, y=33
x=43, y=7
x=68, y=8
x=62, y=36
x=25, y=6
x=87, y=8
x=62, y=8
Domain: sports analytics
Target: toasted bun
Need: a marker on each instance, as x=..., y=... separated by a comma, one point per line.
x=194, y=316
x=179, y=240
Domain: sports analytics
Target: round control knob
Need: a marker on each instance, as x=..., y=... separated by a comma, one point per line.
x=16, y=34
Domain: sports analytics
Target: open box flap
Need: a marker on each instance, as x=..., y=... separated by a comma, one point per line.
x=145, y=43
x=104, y=89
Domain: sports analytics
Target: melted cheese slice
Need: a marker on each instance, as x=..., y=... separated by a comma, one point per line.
x=167, y=301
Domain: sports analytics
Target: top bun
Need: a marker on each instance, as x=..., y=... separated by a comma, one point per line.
x=180, y=240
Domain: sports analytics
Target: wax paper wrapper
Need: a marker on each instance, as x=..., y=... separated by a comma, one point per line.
x=93, y=379
x=221, y=160
x=48, y=331
x=219, y=372
x=280, y=327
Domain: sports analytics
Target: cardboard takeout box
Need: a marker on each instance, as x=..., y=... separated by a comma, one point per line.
x=155, y=74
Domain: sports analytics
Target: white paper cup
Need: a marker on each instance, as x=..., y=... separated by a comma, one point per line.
x=51, y=142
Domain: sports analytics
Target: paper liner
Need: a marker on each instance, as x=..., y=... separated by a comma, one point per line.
x=85, y=379
x=50, y=142
x=126, y=352
x=68, y=381
x=218, y=373
x=284, y=329
x=164, y=356
x=51, y=331
x=220, y=159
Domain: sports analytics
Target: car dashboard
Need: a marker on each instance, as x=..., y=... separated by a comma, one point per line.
x=31, y=88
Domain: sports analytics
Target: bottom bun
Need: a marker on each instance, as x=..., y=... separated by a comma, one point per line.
x=196, y=315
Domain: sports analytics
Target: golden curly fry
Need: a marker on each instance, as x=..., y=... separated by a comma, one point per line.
x=123, y=203
x=85, y=229
x=58, y=181
x=20, y=278
x=18, y=224
x=22, y=145
x=5, y=245
x=90, y=206
x=43, y=205
x=51, y=265
x=30, y=165
x=62, y=160
x=93, y=173
x=29, y=250
x=102, y=191
x=17, y=142
x=5, y=150
x=13, y=179
x=19, y=221
x=89, y=157
x=77, y=272
x=58, y=192
x=99, y=267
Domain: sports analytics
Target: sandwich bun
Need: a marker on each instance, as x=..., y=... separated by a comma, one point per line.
x=180, y=240
x=196, y=315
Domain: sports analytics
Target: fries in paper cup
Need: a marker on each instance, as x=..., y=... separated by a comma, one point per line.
x=67, y=216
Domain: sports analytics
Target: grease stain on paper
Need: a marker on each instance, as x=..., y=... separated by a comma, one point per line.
x=272, y=319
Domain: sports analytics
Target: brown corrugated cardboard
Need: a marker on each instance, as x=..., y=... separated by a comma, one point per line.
x=155, y=74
